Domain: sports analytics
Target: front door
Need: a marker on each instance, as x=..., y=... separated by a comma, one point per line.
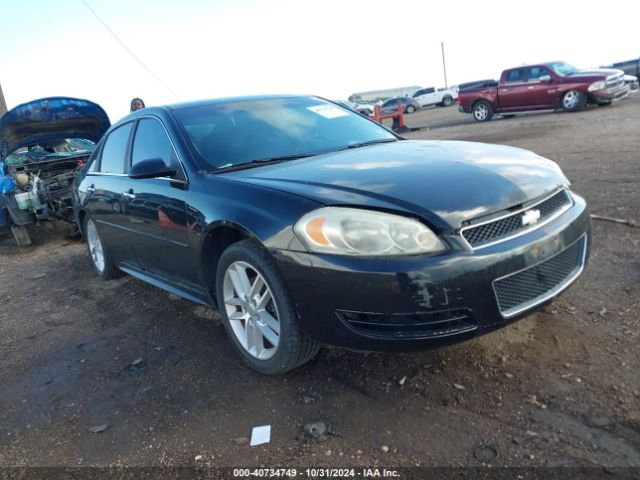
x=155, y=210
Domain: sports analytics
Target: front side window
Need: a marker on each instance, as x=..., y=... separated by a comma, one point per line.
x=115, y=150
x=226, y=134
x=151, y=141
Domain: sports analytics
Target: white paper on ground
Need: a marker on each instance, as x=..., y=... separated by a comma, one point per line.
x=260, y=435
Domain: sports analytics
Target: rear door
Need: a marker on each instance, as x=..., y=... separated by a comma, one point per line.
x=155, y=209
x=103, y=189
x=514, y=93
x=428, y=97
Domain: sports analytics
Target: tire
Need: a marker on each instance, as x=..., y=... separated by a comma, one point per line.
x=257, y=311
x=410, y=109
x=21, y=235
x=482, y=111
x=447, y=101
x=98, y=254
x=573, y=100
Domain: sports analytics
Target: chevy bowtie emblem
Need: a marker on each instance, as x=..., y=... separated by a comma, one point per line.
x=530, y=217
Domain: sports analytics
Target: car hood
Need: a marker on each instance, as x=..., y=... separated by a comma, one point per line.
x=594, y=74
x=50, y=119
x=444, y=182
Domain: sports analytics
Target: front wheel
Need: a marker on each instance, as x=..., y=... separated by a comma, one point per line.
x=410, y=109
x=482, y=111
x=573, y=100
x=21, y=235
x=258, y=313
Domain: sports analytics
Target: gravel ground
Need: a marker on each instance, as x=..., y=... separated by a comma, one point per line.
x=156, y=380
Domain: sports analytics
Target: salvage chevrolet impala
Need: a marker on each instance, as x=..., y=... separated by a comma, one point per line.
x=307, y=224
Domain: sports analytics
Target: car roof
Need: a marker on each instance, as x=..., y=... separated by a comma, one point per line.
x=543, y=64
x=163, y=110
x=210, y=101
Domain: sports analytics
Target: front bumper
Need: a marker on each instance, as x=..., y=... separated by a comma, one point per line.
x=609, y=95
x=413, y=303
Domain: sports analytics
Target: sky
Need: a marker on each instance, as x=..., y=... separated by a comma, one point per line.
x=169, y=51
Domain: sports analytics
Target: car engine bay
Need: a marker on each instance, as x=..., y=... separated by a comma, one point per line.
x=43, y=179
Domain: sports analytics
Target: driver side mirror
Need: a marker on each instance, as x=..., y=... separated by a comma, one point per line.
x=545, y=78
x=151, y=168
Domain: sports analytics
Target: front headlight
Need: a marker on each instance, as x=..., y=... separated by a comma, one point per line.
x=601, y=85
x=352, y=231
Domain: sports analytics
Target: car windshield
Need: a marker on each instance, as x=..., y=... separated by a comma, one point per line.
x=563, y=69
x=230, y=134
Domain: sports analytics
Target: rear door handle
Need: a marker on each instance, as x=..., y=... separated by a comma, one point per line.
x=531, y=88
x=91, y=188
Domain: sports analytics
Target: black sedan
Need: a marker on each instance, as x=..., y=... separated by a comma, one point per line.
x=409, y=105
x=307, y=224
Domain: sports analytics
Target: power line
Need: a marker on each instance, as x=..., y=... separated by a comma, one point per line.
x=135, y=57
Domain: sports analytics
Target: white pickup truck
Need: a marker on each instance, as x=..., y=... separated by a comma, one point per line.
x=442, y=97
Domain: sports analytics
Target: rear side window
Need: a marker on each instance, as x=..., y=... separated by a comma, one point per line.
x=151, y=141
x=115, y=150
x=429, y=90
x=516, y=76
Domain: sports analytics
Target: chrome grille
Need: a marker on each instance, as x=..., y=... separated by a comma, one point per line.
x=510, y=225
x=614, y=81
x=522, y=290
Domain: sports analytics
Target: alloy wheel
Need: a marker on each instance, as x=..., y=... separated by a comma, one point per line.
x=95, y=246
x=481, y=112
x=570, y=100
x=252, y=310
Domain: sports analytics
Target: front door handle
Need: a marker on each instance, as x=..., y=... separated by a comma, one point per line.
x=531, y=88
x=91, y=188
x=129, y=194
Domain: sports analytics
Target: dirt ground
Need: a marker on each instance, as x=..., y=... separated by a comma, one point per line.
x=157, y=375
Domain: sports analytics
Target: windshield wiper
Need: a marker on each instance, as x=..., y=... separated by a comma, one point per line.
x=370, y=142
x=261, y=162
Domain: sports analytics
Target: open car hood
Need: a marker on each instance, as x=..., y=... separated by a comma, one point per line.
x=50, y=119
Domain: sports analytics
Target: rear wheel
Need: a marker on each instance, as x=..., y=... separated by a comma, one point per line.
x=573, y=100
x=447, y=101
x=482, y=111
x=100, y=259
x=21, y=235
x=258, y=313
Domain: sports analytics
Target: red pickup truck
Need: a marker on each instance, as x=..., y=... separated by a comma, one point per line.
x=550, y=85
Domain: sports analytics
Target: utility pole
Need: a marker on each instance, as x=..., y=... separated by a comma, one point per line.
x=3, y=104
x=444, y=66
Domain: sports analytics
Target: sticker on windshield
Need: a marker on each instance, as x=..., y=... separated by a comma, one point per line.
x=328, y=111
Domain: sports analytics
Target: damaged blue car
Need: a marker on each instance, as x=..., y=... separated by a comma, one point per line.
x=43, y=144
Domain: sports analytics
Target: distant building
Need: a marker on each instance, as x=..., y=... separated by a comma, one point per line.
x=375, y=95
x=630, y=67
